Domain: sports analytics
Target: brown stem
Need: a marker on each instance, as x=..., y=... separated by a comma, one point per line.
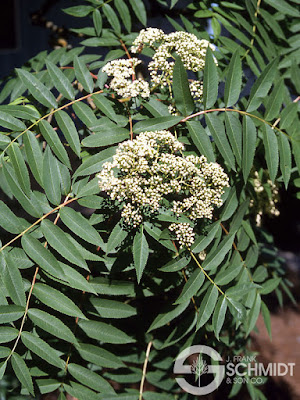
x=37, y=221
x=47, y=115
x=145, y=370
x=30, y=293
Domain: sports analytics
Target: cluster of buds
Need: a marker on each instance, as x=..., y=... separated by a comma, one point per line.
x=124, y=81
x=191, y=50
x=151, y=169
x=267, y=197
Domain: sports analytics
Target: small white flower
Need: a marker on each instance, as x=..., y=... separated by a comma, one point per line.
x=150, y=168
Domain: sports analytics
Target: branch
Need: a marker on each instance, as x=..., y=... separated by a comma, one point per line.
x=145, y=370
x=66, y=201
x=50, y=113
x=232, y=110
x=38, y=221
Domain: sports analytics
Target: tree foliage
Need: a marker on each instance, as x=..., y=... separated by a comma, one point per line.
x=81, y=294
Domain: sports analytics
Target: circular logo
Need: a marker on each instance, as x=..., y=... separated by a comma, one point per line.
x=199, y=367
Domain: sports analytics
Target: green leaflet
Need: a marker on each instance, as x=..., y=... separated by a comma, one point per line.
x=104, y=332
x=93, y=163
x=113, y=309
x=10, y=122
x=284, y=7
x=156, y=107
x=80, y=392
x=56, y=300
x=78, y=11
x=267, y=318
x=271, y=149
x=34, y=156
x=115, y=238
x=42, y=349
x=40, y=255
x=13, y=281
x=61, y=82
x=9, y=221
x=80, y=226
x=210, y=80
x=183, y=98
x=54, y=142
x=97, y=20
x=140, y=253
x=168, y=315
x=207, y=305
x=114, y=287
x=22, y=372
x=7, y=334
x=69, y=130
x=285, y=158
x=217, y=130
x=106, y=136
x=139, y=10
x=203, y=241
x=58, y=239
x=201, y=139
x=85, y=114
x=227, y=275
x=253, y=314
x=111, y=17
x=38, y=90
x=233, y=80
x=124, y=14
x=176, y=264
x=51, y=324
x=274, y=101
x=83, y=75
x=191, y=287
x=106, y=106
x=288, y=115
x=153, y=124
x=10, y=313
x=235, y=134
x=51, y=178
x=20, y=168
x=90, y=378
x=219, y=315
x=75, y=279
x=29, y=205
x=249, y=145
x=3, y=366
x=262, y=86
x=215, y=258
x=99, y=356
x=230, y=205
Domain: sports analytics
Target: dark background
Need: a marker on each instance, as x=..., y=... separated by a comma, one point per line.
x=22, y=36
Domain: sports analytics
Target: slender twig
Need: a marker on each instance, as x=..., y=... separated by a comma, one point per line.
x=50, y=113
x=230, y=110
x=278, y=119
x=38, y=221
x=30, y=293
x=206, y=274
x=192, y=298
x=145, y=370
x=237, y=250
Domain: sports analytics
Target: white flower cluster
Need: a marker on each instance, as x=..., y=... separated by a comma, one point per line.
x=151, y=168
x=184, y=234
x=191, y=50
x=124, y=81
x=265, y=203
